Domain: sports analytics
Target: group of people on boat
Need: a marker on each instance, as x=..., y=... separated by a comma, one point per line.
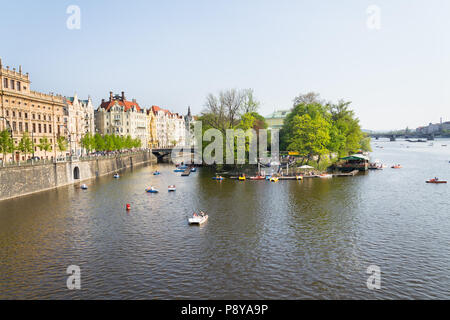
x=201, y=214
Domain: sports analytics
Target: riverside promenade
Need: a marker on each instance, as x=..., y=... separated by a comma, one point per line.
x=28, y=178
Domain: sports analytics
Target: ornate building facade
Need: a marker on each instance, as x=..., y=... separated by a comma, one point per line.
x=151, y=125
x=23, y=110
x=79, y=121
x=169, y=128
x=122, y=117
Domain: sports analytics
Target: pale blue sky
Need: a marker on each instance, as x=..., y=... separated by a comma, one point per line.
x=173, y=53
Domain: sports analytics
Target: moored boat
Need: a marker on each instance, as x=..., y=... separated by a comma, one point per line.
x=325, y=176
x=156, y=173
x=179, y=170
x=116, y=176
x=220, y=178
x=397, y=166
x=193, y=169
x=84, y=187
x=172, y=188
x=258, y=178
x=274, y=179
x=242, y=177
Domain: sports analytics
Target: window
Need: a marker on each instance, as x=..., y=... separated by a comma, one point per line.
x=12, y=84
x=20, y=114
x=18, y=85
x=26, y=126
x=7, y=113
x=39, y=128
x=49, y=118
x=20, y=127
x=49, y=128
x=14, y=126
x=5, y=83
x=33, y=116
x=34, y=127
x=14, y=114
x=26, y=115
x=45, y=128
x=45, y=118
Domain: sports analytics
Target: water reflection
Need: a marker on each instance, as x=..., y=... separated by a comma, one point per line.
x=285, y=240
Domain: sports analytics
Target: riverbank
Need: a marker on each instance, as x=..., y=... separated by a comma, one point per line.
x=20, y=181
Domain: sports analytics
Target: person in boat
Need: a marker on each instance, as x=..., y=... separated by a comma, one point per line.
x=202, y=213
x=195, y=215
x=436, y=179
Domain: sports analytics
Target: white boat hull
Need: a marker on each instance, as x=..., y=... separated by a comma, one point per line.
x=198, y=220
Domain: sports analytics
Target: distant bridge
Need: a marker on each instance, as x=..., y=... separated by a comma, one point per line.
x=394, y=136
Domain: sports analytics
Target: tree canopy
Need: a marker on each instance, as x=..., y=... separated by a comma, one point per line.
x=314, y=128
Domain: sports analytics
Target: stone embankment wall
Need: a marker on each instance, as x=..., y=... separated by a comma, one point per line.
x=20, y=181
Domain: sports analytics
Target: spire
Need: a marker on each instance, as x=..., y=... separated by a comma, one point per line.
x=189, y=111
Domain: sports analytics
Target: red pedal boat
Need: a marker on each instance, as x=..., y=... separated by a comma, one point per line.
x=258, y=178
x=436, y=181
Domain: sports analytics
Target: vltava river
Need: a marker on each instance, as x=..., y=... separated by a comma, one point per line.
x=287, y=240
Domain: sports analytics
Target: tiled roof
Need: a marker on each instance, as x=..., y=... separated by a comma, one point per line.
x=126, y=104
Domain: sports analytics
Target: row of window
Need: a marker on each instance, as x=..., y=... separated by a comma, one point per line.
x=19, y=103
x=37, y=128
x=33, y=116
x=11, y=84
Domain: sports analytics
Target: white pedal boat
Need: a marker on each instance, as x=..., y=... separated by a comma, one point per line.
x=198, y=219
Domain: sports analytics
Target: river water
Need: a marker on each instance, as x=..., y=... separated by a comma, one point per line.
x=288, y=240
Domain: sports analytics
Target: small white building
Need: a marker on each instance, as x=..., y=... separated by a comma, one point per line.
x=79, y=120
x=170, y=128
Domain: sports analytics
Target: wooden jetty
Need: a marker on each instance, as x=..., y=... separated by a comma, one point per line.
x=340, y=174
x=346, y=174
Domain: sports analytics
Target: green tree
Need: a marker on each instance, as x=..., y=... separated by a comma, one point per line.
x=310, y=137
x=62, y=144
x=45, y=145
x=314, y=110
x=109, y=143
x=25, y=144
x=137, y=143
x=6, y=143
x=88, y=142
x=99, y=142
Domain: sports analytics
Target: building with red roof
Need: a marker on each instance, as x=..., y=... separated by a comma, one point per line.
x=119, y=116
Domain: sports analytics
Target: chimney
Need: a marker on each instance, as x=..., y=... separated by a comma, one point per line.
x=110, y=96
x=123, y=96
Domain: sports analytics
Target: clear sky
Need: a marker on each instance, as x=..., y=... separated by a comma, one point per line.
x=173, y=53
